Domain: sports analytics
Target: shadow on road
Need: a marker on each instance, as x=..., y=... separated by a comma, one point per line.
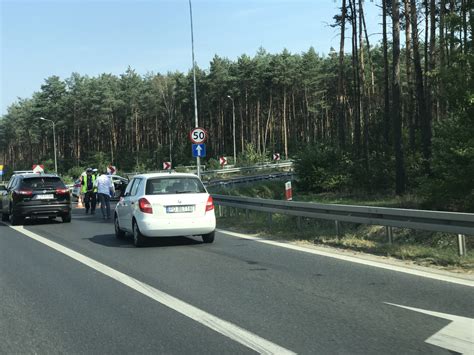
x=109, y=240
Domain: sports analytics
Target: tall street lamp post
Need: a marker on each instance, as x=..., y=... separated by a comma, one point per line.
x=198, y=160
x=233, y=126
x=54, y=143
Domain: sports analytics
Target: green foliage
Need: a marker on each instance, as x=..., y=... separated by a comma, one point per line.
x=270, y=190
x=323, y=168
x=250, y=156
x=451, y=184
x=212, y=164
x=75, y=172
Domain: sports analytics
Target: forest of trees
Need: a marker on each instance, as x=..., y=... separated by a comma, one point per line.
x=391, y=116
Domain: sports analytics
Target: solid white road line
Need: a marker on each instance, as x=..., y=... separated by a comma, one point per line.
x=221, y=326
x=457, y=336
x=352, y=259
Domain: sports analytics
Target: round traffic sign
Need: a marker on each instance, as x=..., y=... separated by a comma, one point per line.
x=198, y=135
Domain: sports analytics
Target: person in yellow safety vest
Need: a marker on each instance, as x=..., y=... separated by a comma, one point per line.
x=89, y=191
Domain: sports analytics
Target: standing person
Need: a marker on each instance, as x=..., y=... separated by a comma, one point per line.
x=95, y=173
x=105, y=189
x=81, y=194
x=89, y=190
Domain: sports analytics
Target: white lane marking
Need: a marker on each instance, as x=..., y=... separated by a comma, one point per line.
x=352, y=259
x=221, y=326
x=456, y=336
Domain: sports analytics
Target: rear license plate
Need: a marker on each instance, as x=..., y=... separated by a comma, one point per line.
x=44, y=197
x=179, y=209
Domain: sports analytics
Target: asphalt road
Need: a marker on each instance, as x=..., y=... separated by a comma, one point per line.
x=300, y=302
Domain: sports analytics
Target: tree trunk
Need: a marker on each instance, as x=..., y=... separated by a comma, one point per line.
x=362, y=90
x=386, y=115
x=442, y=61
x=340, y=81
x=396, y=118
x=423, y=112
x=431, y=97
x=355, y=62
x=410, y=99
x=285, y=135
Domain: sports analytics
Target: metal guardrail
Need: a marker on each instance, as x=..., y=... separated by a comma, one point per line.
x=268, y=165
x=249, y=179
x=285, y=164
x=437, y=221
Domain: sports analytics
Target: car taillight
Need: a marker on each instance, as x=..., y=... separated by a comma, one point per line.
x=145, y=206
x=24, y=192
x=209, y=204
x=61, y=191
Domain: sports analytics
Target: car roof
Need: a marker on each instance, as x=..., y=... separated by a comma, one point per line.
x=33, y=175
x=165, y=175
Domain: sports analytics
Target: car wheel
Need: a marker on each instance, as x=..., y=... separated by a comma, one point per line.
x=120, y=234
x=208, y=238
x=15, y=220
x=5, y=217
x=66, y=218
x=138, y=238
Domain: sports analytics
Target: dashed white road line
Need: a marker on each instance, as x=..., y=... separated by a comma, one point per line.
x=221, y=326
x=352, y=259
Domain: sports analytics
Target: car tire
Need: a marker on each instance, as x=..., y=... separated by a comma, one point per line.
x=5, y=217
x=15, y=220
x=66, y=218
x=120, y=234
x=138, y=238
x=209, y=237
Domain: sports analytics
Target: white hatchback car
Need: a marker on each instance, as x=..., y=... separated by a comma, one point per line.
x=165, y=205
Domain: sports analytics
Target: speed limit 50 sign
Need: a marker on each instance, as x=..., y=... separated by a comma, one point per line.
x=198, y=135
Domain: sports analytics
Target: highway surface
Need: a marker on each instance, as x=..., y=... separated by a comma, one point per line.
x=74, y=288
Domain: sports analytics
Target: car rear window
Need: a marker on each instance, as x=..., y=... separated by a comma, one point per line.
x=174, y=185
x=43, y=182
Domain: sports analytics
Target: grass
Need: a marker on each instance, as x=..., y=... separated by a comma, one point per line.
x=421, y=247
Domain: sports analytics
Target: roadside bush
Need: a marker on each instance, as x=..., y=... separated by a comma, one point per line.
x=250, y=156
x=451, y=184
x=75, y=172
x=323, y=168
x=212, y=164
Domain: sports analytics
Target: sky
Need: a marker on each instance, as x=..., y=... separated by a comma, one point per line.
x=58, y=37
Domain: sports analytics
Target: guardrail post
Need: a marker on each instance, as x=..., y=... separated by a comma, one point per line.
x=462, y=245
x=269, y=218
x=247, y=213
x=298, y=222
x=389, y=233
x=338, y=231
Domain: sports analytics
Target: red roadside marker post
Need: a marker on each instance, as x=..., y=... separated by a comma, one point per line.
x=288, y=191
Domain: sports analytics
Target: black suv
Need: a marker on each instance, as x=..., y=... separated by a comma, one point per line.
x=33, y=195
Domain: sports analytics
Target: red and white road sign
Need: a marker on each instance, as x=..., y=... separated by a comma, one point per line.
x=111, y=170
x=38, y=168
x=223, y=161
x=166, y=165
x=198, y=135
x=288, y=191
x=276, y=156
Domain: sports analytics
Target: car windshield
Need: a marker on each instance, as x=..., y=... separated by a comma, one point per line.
x=42, y=182
x=174, y=185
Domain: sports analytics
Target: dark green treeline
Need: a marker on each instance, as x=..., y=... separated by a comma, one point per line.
x=379, y=106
